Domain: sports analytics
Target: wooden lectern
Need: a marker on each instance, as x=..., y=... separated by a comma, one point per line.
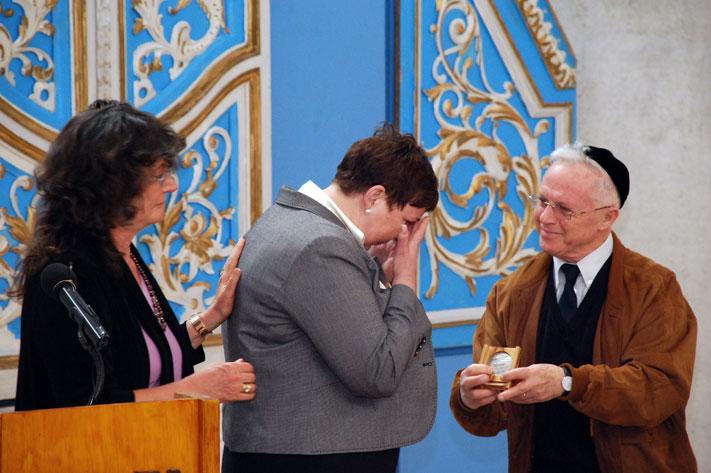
x=180, y=436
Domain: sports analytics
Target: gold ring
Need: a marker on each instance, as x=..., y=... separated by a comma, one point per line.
x=246, y=388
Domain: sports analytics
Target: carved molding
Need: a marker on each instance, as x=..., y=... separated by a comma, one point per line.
x=15, y=222
x=194, y=224
x=468, y=111
x=554, y=58
x=147, y=58
x=41, y=69
x=463, y=111
x=105, y=65
x=212, y=76
x=200, y=229
x=28, y=135
x=561, y=112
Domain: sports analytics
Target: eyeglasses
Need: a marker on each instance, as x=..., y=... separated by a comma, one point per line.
x=163, y=177
x=560, y=210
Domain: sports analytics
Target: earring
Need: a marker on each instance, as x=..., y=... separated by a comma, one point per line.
x=367, y=211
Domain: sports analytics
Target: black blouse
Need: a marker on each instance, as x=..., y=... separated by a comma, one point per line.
x=55, y=371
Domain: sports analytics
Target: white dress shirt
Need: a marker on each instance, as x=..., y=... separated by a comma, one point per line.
x=589, y=267
x=310, y=189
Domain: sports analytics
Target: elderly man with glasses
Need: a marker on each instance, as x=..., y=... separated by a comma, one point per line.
x=607, y=339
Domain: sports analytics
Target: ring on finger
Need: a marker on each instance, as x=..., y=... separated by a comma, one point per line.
x=246, y=388
x=525, y=394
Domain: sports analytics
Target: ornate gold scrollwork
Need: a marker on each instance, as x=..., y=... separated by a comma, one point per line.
x=181, y=46
x=463, y=111
x=554, y=58
x=20, y=229
x=32, y=23
x=201, y=235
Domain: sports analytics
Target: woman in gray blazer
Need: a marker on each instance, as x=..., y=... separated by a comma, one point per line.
x=327, y=312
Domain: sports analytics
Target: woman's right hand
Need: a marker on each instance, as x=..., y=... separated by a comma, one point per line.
x=221, y=307
x=229, y=381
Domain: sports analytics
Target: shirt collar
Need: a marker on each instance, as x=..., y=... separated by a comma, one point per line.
x=310, y=189
x=590, y=265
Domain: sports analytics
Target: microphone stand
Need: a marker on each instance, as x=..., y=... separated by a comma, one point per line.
x=58, y=282
x=94, y=349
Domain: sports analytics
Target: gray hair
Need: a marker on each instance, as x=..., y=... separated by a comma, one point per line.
x=577, y=154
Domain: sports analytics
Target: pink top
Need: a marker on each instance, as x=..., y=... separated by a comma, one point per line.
x=154, y=356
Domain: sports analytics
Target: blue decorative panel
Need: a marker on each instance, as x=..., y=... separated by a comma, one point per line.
x=168, y=46
x=200, y=227
x=35, y=40
x=195, y=64
x=16, y=214
x=489, y=94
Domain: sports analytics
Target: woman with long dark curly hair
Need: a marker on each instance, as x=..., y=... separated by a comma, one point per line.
x=104, y=179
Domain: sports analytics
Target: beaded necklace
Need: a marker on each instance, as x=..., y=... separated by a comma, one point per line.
x=157, y=310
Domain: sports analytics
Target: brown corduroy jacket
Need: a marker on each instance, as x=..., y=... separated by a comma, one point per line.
x=635, y=391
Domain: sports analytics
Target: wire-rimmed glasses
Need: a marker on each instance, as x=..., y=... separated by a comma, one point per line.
x=561, y=210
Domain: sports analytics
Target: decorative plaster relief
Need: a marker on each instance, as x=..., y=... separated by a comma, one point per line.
x=15, y=229
x=41, y=69
x=463, y=111
x=147, y=56
x=198, y=235
x=555, y=59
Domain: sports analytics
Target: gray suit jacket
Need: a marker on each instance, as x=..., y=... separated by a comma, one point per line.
x=342, y=365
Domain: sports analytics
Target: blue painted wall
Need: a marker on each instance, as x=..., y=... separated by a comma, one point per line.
x=448, y=448
x=329, y=84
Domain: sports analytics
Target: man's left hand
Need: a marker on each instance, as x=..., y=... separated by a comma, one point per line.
x=532, y=384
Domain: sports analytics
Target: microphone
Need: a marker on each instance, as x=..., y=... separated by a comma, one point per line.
x=58, y=282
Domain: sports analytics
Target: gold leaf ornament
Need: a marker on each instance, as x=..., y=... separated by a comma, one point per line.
x=198, y=236
x=468, y=117
x=138, y=26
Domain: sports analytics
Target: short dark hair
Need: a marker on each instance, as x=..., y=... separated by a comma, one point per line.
x=94, y=169
x=394, y=160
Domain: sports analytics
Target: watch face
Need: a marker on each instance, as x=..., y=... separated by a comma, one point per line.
x=567, y=383
x=501, y=362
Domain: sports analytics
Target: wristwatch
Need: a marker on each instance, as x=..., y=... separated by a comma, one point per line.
x=567, y=382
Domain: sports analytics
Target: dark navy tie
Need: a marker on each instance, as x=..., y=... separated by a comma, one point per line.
x=568, y=302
